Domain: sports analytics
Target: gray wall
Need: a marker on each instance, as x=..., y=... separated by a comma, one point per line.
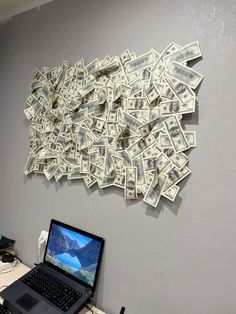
x=177, y=259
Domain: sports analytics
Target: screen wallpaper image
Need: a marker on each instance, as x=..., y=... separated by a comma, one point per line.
x=73, y=252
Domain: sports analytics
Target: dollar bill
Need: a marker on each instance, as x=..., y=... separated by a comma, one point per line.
x=96, y=172
x=191, y=138
x=146, y=129
x=89, y=181
x=78, y=117
x=174, y=176
x=182, y=92
x=131, y=122
x=138, y=147
x=171, y=107
x=85, y=163
x=154, y=192
x=159, y=67
x=29, y=166
x=172, y=47
x=108, y=162
x=136, y=103
x=77, y=174
x=184, y=74
x=47, y=153
x=171, y=193
x=149, y=164
x=130, y=191
x=176, y=134
x=139, y=165
x=140, y=62
x=92, y=67
x=136, y=87
x=58, y=174
x=187, y=53
x=119, y=180
x=50, y=170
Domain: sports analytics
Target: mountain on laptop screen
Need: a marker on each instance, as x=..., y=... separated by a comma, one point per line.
x=73, y=252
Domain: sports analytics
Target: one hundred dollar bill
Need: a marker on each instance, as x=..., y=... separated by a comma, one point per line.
x=184, y=74
x=191, y=138
x=187, y=53
x=154, y=192
x=139, y=146
x=171, y=107
x=171, y=193
x=181, y=91
x=176, y=134
x=130, y=191
x=141, y=62
x=178, y=159
x=174, y=176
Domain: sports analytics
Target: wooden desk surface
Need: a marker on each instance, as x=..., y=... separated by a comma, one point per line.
x=19, y=270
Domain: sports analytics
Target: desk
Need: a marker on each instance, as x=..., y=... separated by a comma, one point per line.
x=20, y=269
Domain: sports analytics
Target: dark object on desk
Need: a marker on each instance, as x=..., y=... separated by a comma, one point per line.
x=5, y=242
x=4, y=310
x=8, y=257
x=65, y=280
x=122, y=310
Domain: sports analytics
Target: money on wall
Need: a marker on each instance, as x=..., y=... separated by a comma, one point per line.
x=116, y=121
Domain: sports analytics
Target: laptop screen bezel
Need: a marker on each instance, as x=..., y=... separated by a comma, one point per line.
x=85, y=233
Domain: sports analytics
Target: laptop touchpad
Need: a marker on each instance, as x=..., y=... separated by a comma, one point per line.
x=27, y=301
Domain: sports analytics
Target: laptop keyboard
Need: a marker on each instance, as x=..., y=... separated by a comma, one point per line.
x=54, y=290
x=3, y=310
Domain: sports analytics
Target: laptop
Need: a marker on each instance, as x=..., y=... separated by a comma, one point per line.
x=66, y=278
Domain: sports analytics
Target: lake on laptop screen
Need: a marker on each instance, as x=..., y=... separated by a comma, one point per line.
x=73, y=252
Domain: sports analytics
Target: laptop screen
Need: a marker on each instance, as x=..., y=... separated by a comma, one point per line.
x=75, y=252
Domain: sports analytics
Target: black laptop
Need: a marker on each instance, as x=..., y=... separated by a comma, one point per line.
x=65, y=280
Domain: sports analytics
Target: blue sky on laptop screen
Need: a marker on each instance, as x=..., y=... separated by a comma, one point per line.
x=73, y=252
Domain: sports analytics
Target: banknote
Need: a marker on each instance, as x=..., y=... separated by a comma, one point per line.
x=159, y=67
x=119, y=180
x=136, y=87
x=171, y=107
x=140, y=62
x=50, y=170
x=138, y=163
x=171, y=193
x=77, y=174
x=89, y=181
x=85, y=164
x=174, y=176
x=186, y=53
x=149, y=164
x=96, y=171
x=182, y=92
x=147, y=128
x=29, y=166
x=108, y=162
x=47, y=153
x=184, y=74
x=130, y=191
x=178, y=159
x=191, y=138
x=78, y=117
x=136, y=103
x=154, y=192
x=138, y=147
x=152, y=93
x=92, y=67
x=176, y=134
